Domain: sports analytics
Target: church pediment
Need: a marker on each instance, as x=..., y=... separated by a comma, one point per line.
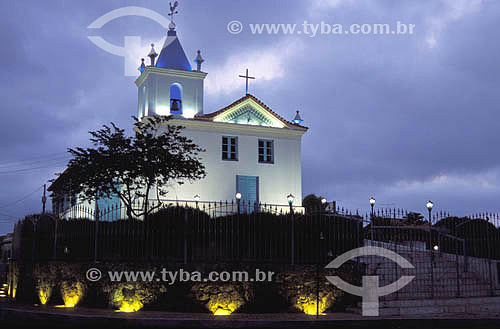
x=249, y=110
x=249, y=115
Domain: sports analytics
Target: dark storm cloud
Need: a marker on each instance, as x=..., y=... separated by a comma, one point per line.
x=405, y=118
x=401, y=111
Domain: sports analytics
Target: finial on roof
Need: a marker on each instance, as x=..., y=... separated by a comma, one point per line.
x=152, y=54
x=199, y=60
x=297, y=120
x=143, y=66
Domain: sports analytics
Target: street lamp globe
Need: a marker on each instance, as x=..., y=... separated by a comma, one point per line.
x=323, y=200
x=429, y=205
x=372, y=201
x=238, y=196
x=196, y=198
x=290, y=198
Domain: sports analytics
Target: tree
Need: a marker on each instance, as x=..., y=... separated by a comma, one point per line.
x=312, y=204
x=131, y=167
x=414, y=218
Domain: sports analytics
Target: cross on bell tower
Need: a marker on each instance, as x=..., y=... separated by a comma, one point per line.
x=246, y=78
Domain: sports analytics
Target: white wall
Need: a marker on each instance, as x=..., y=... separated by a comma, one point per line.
x=276, y=180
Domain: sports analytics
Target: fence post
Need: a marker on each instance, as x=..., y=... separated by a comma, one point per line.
x=492, y=290
x=431, y=253
x=96, y=230
x=54, y=253
x=33, y=251
x=466, y=260
x=292, y=239
x=457, y=261
x=185, y=235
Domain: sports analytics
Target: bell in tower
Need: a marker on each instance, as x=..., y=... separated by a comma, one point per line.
x=169, y=85
x=175, y=106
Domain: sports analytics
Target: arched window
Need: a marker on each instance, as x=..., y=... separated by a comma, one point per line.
x=175, y=99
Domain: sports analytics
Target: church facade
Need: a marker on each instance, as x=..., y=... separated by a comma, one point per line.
x=250, y=150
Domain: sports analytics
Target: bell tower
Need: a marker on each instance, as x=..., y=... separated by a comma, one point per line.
x=169, y=85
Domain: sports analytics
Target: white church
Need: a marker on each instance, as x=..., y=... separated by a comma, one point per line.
x=250, y=150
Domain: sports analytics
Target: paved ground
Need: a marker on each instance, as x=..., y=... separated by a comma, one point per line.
x=12, y=316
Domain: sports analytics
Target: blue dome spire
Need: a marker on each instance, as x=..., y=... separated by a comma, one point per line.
x=172, y=55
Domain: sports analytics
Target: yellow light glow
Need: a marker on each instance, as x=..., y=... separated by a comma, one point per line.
x=223, y=312
x=71, y=293
x=128, y=297
x=129, y=306
x=309, y=306
x=222, y=299
x=71, y=301
x=44, y=294
x=222, y=308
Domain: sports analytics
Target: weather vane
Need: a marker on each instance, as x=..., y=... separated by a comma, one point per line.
x=173, y=11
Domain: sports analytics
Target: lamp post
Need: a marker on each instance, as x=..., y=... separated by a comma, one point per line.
x=196, y=199
x=429, y=206
x=372, y=214
x=372, y=204
x=290, y=199
x=323, y=204
x=238, y=196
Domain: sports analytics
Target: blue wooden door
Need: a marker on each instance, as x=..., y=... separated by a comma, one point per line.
x=248, y=186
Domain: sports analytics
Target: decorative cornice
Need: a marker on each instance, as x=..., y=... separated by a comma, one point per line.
x=204, y=125
x=170, y=72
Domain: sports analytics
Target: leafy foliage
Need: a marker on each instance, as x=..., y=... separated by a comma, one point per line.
x=414, y=218
x=132, y=168
x=312, y=204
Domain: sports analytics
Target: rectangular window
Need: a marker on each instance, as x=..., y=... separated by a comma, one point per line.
x=266, y=151
x=229, y=148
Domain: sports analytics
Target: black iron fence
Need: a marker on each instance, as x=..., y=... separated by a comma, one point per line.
x=451, y=256
x=184, y=234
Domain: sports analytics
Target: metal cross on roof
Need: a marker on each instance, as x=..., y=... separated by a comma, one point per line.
x=172, y=10
x=246, y=78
